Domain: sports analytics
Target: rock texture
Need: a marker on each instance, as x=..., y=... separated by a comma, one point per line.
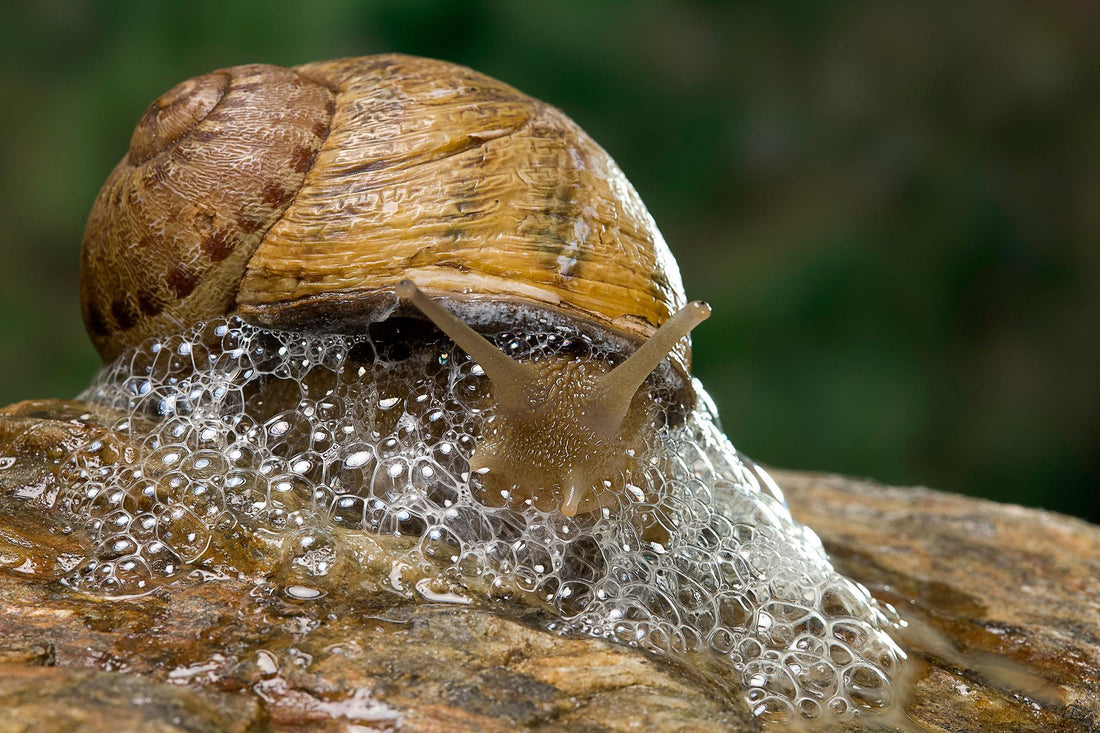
x=1003, y=605
x=1003, y=601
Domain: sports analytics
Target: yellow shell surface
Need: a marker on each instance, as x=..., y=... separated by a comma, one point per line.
x=426, y=170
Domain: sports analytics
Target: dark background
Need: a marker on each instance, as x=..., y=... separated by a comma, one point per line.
x=894, y=207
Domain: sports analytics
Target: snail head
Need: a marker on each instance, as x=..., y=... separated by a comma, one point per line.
x=564, y=431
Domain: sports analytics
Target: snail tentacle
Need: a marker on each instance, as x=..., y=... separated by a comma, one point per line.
x=614, y=393
x=511, y=380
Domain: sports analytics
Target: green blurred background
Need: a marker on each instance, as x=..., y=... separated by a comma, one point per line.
x=894, y=207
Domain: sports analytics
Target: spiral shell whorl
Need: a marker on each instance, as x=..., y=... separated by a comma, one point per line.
x=212, y=165
x=174, y=114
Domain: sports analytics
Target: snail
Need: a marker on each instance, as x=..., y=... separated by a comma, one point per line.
x=335, y=194
x=281, y=275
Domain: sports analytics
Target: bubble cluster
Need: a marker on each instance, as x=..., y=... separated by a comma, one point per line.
x=232, y=428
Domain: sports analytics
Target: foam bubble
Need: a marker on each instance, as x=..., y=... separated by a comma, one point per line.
x=311, y=437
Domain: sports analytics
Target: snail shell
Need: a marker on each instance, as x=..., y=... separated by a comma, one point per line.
x=309, y=198
x=300, y=198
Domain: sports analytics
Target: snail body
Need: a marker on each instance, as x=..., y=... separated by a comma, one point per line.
x=303, y=198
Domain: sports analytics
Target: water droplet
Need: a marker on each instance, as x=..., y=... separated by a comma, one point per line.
x=357, y=459
x=267, y=663
x=303, y=592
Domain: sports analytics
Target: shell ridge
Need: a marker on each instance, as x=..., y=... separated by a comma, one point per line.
x=262, y=235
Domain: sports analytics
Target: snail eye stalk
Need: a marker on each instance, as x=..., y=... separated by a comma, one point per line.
x=514, y=383
x=612, y=396
x=511, y=380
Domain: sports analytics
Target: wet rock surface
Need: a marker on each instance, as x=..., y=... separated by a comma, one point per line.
x=1003, y=605
x=1003, y=601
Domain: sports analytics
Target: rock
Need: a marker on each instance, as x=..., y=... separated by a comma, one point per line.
x=1004, y=601
x=61, y=699
x=1003, y=605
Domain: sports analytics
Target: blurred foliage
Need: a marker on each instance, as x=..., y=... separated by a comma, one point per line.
x=894, y=207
